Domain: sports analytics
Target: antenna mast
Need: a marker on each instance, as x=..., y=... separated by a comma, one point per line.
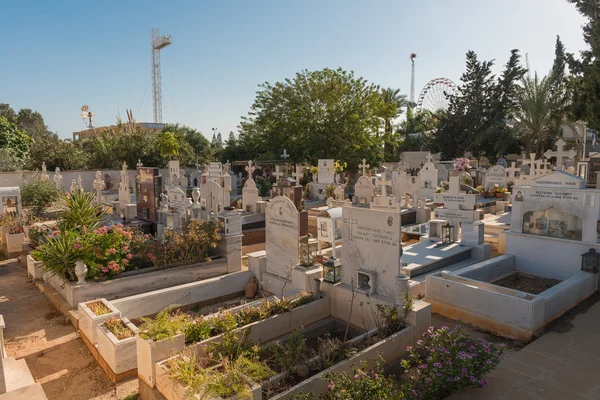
x=157, y=43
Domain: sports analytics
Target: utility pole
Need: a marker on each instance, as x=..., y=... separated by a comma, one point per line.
x=157, y=44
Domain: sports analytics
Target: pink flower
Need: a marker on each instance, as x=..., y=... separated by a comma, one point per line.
x=105, y=270
x=125, y=248
x=76, y=246
x=112, y=251
x=125, y=261
x=129, y=256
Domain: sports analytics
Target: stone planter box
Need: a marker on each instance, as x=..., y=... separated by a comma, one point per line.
x=149, y=352
x=172, y=389
x=88, y=321
x=136, y=282
x=120, y=355
x=391, y=348
x=275, y=326
x=4, y=230
x=14, y=243
x=35, y=269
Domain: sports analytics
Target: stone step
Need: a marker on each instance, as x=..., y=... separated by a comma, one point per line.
x=29, y=392
x=16, y=374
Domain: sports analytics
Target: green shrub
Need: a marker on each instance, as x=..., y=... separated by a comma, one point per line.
x=164, y=325
x=197, y=330
x=292, y=353
x=82, y=213
x=37, y=194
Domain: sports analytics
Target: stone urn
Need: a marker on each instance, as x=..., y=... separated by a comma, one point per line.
x=251, y=288
x=80, y=271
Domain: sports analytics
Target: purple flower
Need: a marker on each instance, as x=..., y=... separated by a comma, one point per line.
x=356, y=377
x=408, y=348
x=423, y=366
x=449, y=362
x=457, y=378
x=419, y=341
x=482, y=382
x=438, y=374
x=437, y=365
x=488, y=362
x=464, y=370
x=473, y=379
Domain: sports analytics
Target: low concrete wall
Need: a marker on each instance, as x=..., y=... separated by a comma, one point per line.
x=139, y=282
x=505, y=311
x=190, y=293
x=488, y=270
x=566, y=294
x=559, y=259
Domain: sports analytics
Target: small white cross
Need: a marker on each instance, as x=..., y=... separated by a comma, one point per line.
x=139, y=164
x=429, y=158
x=250, y=169
x=278, y=173
x=511, y=171
x=532, y=164
x=560, y=153
x=285, y=155
x=364, y=166
x=299, y=173
x=124, y=166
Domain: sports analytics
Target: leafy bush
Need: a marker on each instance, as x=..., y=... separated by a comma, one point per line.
x=190, y=246
x=164, y=325
x=294, y=352
x=59, y=254
x=82, y=213
x=446, y=360
x=197, y=330
x=224, y=322
x=233, y=346
x=37, y=235
x=37, y=194
x=264, y=187
x=363, y=383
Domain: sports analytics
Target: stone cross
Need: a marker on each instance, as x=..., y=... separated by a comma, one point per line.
x=58, y=178
x=511, y=171
x=99, y=186
x=44, y=176
x=226, y=166
x=139, y=164
x=285, y=155
x=79, y=183
x=538, y=166
x=73, y=186
x=299, y=173
x=560, y=153
x=532, y=164
x=250, y=169
x=429, y=158
x=278, y=174
x=364, y=166
x=402, y=165
x=383, y=181
x=351, y=222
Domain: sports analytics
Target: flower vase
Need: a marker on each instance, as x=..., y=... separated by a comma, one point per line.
x=250, y=288
x=81, y=271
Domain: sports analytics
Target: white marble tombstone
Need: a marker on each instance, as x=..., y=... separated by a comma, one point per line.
x=428, y=180
x=496, y=175
x=250, y=196
x=364, y=190
x=282, y=236
x=212, y=193
x=371, y=240
x=326, y=171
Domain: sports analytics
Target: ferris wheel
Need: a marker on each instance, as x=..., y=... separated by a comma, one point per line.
x=436, y=95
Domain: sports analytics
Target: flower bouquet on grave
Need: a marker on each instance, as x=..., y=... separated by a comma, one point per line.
x=462, y=164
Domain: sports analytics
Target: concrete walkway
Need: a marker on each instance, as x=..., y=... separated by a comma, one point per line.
x=563, y=364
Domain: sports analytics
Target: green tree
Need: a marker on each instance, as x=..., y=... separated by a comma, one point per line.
x=8, y=112
x=317, y=114
x=15, y=141
x=168, y=145
x=414, y=132
x=585, y=70
x=37, y=194
x=393, y=102
x=194, y=146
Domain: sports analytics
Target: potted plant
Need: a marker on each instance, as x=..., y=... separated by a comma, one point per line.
x=117, y=344
x=498, y=192
x=480, y=190
x=93, y=313
x=505, y=193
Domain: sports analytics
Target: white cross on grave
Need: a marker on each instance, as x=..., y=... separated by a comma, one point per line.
x=99, y=186
x=197, y=165
x=538, y=166
x=351, y=222
x=298, y=174
x=278, y=173
x=227, y=165
x=285, y=155
x=139, y=164
x=250, y=169
x=511, y=171
x=429, y=158
x=560, y=153
x=364, y=166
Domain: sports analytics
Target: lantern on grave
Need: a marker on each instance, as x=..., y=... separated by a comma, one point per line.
x=308, y=251
x=447, y=233
x=590, y=261
x=332, y=270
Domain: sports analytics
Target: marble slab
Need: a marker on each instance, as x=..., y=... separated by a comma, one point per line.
x=282, y=236
x=371, y=241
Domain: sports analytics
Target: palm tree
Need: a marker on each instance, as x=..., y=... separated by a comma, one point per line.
x=536, y=118
x=393, y=102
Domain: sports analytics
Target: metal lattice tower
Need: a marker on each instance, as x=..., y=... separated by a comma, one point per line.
x=157, y=43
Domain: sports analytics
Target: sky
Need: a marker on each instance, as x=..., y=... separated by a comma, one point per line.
x=59, y=55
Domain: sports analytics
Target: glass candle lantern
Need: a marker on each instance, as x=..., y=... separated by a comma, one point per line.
x=332, y=270
x=447, y=233
x=590, y=261
x=308, y=251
